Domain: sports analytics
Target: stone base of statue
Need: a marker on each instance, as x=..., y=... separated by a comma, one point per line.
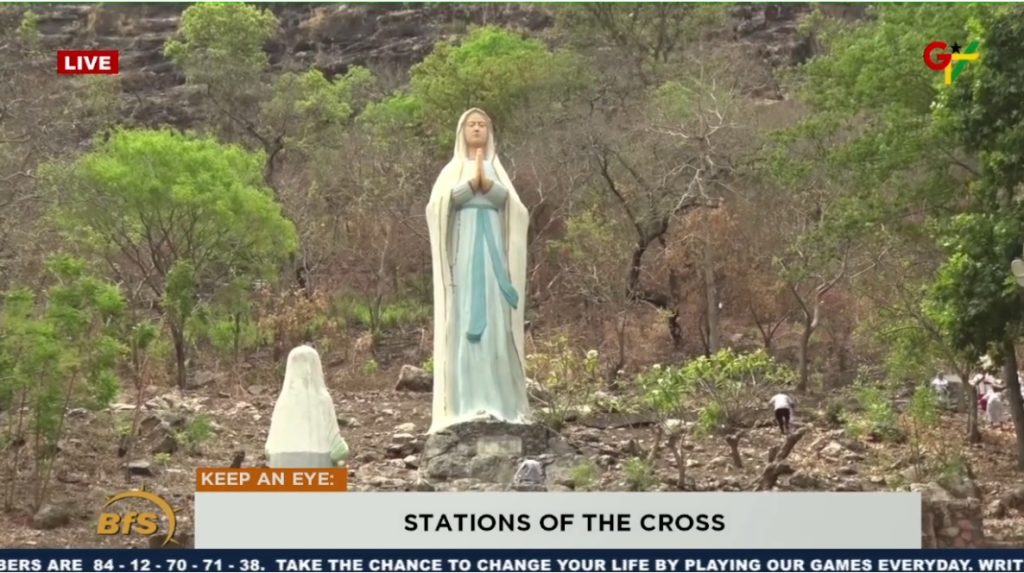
x=492, y=455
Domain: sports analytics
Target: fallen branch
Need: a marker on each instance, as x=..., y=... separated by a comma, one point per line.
x=772, y=473
x=734, y=446
x=777, y=467
x=790, y=443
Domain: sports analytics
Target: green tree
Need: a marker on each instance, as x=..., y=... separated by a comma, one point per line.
x=980, y=301
x=174, y=216
x=871, y=161
x=494, y=69
x=221, y=50
x=60, y=357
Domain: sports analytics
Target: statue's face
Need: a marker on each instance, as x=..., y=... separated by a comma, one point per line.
x=476, y=130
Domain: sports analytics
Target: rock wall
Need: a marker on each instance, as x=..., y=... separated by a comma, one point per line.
x=333, y=37
x=951, y=515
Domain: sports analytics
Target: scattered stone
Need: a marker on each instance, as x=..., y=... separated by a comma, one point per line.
x=200, y=379
x=491, y=451
x=606, y=460
x=423, y=485
x=414, y=379
x=140, y=468
x=78, y=413
x=849, y=486
x=412, y=462
x=406, y=428
x=530, y=472
x=168, y=444
x=51, y=516
x=402, y=445
x=847, y=471
x=832, y=450
x=804, y=481
x=1014, y=500
x=537, y=392
x=950, y=517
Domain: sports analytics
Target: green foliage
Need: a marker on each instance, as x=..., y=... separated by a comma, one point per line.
x=428, y=365
x=639, y=474
x=180, y=292
x=57, y=354
x=724, y=387
x=222, y=43
x=494, y=69
x=197, y=432
x=646, y=35
x=974, y=295
x=371, y=367
x=388, y=315
x=28, y=31
x=587, y=233
x=570, y=379
x=181, y=215
x=400, y=112
x=319, y=108
x=199, y=201
x=584, y=476
x=162, y=458
x=924, y=407
x=878, y=417
x=834, y=413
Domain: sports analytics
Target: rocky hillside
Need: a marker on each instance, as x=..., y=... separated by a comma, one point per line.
x=332, y=37
x=385, y=430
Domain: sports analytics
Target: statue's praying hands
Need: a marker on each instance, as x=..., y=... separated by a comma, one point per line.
x=481, y=184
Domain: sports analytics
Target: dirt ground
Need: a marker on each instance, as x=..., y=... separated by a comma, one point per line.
x=89, y=469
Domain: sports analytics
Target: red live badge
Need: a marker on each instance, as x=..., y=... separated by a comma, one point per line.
x=87, y=62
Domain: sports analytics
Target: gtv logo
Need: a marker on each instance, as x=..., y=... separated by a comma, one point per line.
x=953, y=62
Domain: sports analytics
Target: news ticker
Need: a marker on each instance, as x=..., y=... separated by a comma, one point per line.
x=317, y=519
x=524, y=561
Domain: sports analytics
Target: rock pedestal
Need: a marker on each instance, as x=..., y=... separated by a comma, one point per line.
x=950, y=516
x=486, y=455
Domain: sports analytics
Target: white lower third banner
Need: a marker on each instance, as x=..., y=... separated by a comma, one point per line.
x=556, y=520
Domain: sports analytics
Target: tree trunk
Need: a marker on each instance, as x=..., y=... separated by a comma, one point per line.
x=178, y=334
x=712, y=295
x=1013, y=393
x=973, y=435
x=804, y=359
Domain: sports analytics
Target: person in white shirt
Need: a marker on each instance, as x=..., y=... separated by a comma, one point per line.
x=996, y=410
x=941, y=387
x=783, y=406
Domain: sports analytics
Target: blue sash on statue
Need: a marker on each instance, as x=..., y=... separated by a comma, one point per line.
x=478, y=303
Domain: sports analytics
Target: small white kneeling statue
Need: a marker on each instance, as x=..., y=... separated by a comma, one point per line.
x=304, y=429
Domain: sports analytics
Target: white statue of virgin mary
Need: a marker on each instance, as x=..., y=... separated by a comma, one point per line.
x=478, y=247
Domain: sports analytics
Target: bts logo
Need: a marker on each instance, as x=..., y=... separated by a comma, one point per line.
x=142, y=523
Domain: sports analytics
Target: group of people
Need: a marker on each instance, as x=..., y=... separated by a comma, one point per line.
x=991, y=399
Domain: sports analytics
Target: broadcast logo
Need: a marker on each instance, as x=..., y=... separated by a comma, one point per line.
x=77, y=62
x=953, y=62
x=142, y=523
